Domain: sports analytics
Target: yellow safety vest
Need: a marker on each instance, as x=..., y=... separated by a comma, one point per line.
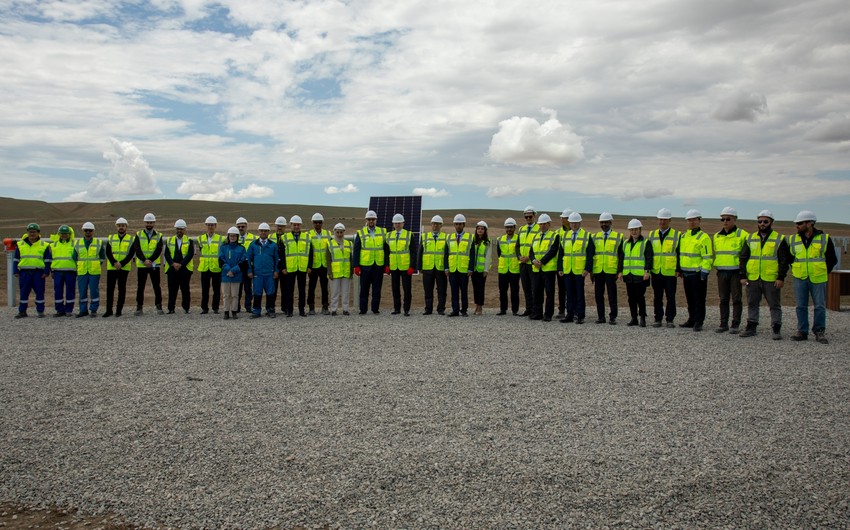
x=634, y=262
x=605, y=258
x=88, y=259
x=664, y=252
x=508, y=260
x=764, y=262
x=459, y=252
x=148, y=246
x=526, y=236
x=433, y=251
x=171, y=243
x=340, y=259
x=32, y=255
x=727, y=250
x=246, y=240
x=297, y=252
x=120, y=247
x=481, y=250
x=372, y=247
x=209, y=246
x=575, y=254
x=695, y=252
x=541, y=243
x=62, y=253
x=809, y=263
x=399, y=250
x=319, y=243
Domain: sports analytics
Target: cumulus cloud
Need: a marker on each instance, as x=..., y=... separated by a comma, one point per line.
x=742, y=106
x=220, y=188
x=431, y=192
x=495, y=192
x=833, y=129
x=527, y=142
x=130, y=175
x=350, y=188
x=646, y=193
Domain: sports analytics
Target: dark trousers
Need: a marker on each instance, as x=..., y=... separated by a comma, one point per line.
x=543, y=284
x=210, y=278
x=729, y=288
x=430, y=279
x=576, y=304
x=179, y=280
x=285, y=290
x=401, y=281
x=562, y=297
x=246, y=290
x=479, y=280
x=636, y=293
x=371, y=277
x=527, y=289
x=459, y=282
x=695, y=292
x=318, y=275
x=64, y=290
x=755, y=290
x=116, y=278
x=603, y=281
x=664, y=287
x=31, y=280
x=509, y=281
x=144, y=272
x=293, y=280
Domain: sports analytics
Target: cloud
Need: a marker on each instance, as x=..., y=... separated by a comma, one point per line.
x=525, y=142
x=349, y=188
x=646, y=193
x=833, y=129
x=130, y=175
x=220, y=188
x=742, y=106
x=495, y=192
x=431, y=192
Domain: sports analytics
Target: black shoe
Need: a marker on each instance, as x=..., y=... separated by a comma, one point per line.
x=204, y=311
x=288, y=314
x=346, y=313
x=579, y=321
x=723, y=328
x=407, y=313
x=60, y=314
x=516, y=313
x=227, y=315
x=643, y=322
x=302, y=313
x=271, y=315
x=657, y=324
x=568, y=320
x=536, y=317
x=234, y=316
x=427, y=312
x=376, y=312
x=613, y=321
x=215, y=311
x=547, y=319
x=395, y=312
x=698, y=326
x=22, y=314
x=632, y=322
x=333, y=313
x=441, y=311
x=42, y=315
x=501, y=313
x=118, y=313
x=453, y=314
x=312, y=312
x=82, y=314
x=526, y=313
x=255, y=315
x=108, y=313
x=170, y=312
x=600, y=320
x=362, y=313
x=686, y=324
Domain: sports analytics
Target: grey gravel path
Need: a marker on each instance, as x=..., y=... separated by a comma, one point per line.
x=424, y=422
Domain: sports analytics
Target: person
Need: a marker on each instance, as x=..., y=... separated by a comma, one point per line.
x=208, y=245
x=665, y=262
x=562, y=292
x=147, y=247
x=263, y=269
x=481, y=257
x=233, y=260
x=507, y=253
x=371, y=257
x=575, y=264
x=401, y=270
x=432, y=263
x=90, y=258
x=458, y=256
x=179, y=264
x=606, y=243
x=728, y=243
x=544, y=259
x=694, y=268
x=245, y=238
x=31, y=265
x=634, y=266
x=526, y=235
x=339, y=271
x=119, y=261
x=319, y=239
x=295, y=262
x=64, y=268
x=282, y=281
x=813, y=258
x=764, y=263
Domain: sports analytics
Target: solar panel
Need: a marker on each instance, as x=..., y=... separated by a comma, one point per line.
x=410, y=206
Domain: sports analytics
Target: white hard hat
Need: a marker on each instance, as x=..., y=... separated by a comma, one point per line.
x=529, y=209
x=510, y=221
x=693, y=214
x=729, y=211
x=606, y=216
x=88, y=226
x=635, y=223
x=806, y=215
x=318, y=217
x=280, y=221
x=437, y=219
x=121, y=221
x=211, y=221
x=566, y=213
x=482, y=223
x=664, y=213
x=295, y=219
x=459, y=218
x=398, y=218
x=180, y=223
x=150, y=218
x=264, y=226
x=766, y=213
x=241, y=221
x=575, y=217
x=233, y=230
x=339, y=226
x=544, y=218
x=371, y=214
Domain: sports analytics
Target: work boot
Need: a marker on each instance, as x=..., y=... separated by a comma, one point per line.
x=821, y=337
x=698, y=326
x=735, y=329
x=21, y=314
x=657, y=324
x=59, y=314
x=82, y=314
x=800, y=336
x=633, y=322
x=672, y=325
x=107, y=313
x=685, y=324
x=642, y=322
x=723, y=328
x=750, y=331
x=776, y=334
x=613, y=321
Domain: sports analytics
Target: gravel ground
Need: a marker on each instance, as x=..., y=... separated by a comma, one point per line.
x=424, y=422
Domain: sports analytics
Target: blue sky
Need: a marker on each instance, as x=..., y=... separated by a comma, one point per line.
x=624, y=107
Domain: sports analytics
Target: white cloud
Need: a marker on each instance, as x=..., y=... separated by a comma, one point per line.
x=220, y=188
x=742, y=106
x=527, y=142
x=503, y=191
x=832, y=129
x=349, y=188
x=431, y=192
x=130, y=175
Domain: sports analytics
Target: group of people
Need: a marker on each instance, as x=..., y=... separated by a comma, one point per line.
x=244, y=267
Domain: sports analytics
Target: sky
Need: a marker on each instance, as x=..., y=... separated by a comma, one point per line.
x=610, y=105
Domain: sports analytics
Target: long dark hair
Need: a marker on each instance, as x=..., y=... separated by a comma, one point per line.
x=485, y=238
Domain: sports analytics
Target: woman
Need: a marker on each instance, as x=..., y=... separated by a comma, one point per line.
x=633, y=268
x=339, y=269
x=233, y=259
x=481, y=257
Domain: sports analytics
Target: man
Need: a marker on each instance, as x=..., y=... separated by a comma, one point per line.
x=544, y=259
x=507, y=252
x=401, y=258
x=147, y=247
x=665, y=262
x=562, y=231
x=179, y=253
x=765, y=260
x=814, y=257
x=728, y=243
x=64, y=268
x=458, y=255
x=31, y=265
x=634, y=265
x=90, y=258
x=263, y=267
x=278, y=239
x=694, y=268
x=339, y=272
x=245, y=238
x=209, y=244
x=119, y=261
x=371, y=255
x=432, y=263
x=319, y=240
x=606, y=243
x=295, y=262
x=526, y=235
x=575, y=264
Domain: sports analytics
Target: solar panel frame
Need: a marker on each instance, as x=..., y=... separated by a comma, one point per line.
x=410, y=206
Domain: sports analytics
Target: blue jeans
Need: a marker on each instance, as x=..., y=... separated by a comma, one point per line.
x=89, y=287
x=802, y=290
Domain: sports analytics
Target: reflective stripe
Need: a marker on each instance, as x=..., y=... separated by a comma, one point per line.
x=171, y=243
x=120, y=247
x=541, y=244
x=634, y=263
x=764, y=261
x=605, y=258
x=88, y=258
x=809, y=263
x=209, y=247
x=526, y=238
x=459, y=253
x=340, y=259
x=695, y=252
x=297, y=252
x=508, y=261
x=399, y=250
x=727, y=250
x=319, y=243
x=372, y=246
x=433, y=251
x=575, y=253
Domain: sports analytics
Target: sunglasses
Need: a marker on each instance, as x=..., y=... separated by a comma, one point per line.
x=765, y=222
x=801, y=223
x=725, y=219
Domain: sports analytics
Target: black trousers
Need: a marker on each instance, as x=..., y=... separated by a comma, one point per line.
x=430, y=279
x=210, y=278
x=285, y=290
x=459, y=282
x=179, y=280
x=576, y=303
x=113, y=278
x=246, y=291
x=562, y=296
x=293, y=280
x=636, y=293
x=603, y=281
x=318, y=275
x=144, y=272
x=695, y=292
x=664, y=287
x=371, y=277
x=478, y=283
x=401, y=282
x=729, y=288
x=509, y=281
x=544, y=284
x=525, y=273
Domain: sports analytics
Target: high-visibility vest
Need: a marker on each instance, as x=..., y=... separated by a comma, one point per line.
x=605, y=258
x=297, y=252
x=209, y=245
x=120, y=247
x=809, y=263
x=340, y=259
x=246, y=240
x=575, y=254
x=459, y=252
x=508, y=261
x=276, y=237
x=526, y=236
x=664, y=252
x=399, y=244
x=764, y=262
x=481, y=250
x=32, y=255
x=541, y=243
x=62, y=253
x=186, y=242
x=727, y=250
x=433, y=251
x=372, y=247
x=148, y=246
x=88, y=259
x=634, y=261
x=319, y=243
x=695, y=252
